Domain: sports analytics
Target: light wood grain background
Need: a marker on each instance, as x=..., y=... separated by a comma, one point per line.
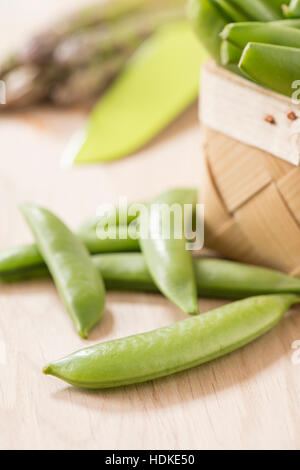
x=248, y=400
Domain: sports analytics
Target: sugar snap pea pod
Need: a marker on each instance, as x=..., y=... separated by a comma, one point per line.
x=115, y=241
x=167, y=258
x=292, y=10
x=293, y=23
x=230, y=54
x=230, y=10
x=172, y=349
x=27, y=257
x=240, y=34
x=260, y=10
x=208, y=21
x=215, y=278
x=275, y=67
x=79, y=283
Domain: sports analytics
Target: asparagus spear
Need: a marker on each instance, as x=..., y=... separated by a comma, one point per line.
x=27, y=84
x=41, y=47
x=87, y=82
x=123, y=35
x=124, y=26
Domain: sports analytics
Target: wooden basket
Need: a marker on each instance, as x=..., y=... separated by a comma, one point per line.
x=252, y=198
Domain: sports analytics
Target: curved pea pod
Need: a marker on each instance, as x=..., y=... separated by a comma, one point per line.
x=240, y=34
x=275, y=67
x=172, y=349
x=230, y=10
x=165, y=251
x=208, y=21
x=230, y=54
x=79, y=284
x=292, y=10
x=260, y=10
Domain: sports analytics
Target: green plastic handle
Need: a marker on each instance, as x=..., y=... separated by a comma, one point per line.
x=160, y=81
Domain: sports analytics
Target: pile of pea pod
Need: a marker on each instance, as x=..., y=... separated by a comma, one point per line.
x=85, y=264
x=259, y=39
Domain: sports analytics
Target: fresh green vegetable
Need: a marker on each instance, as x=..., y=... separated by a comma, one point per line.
x=208, y=21
x=125, y=35
x=159, y=82
x=275, y=67
x=292, y=10
x=77, y=57
x=260, y=10
x=240, y=34
x=293, y=23
x=14, y=261
x=174, y=348
x=226, y=7
x=78, y=281
x=230, y=54
x=166, y=255
x=215, y=278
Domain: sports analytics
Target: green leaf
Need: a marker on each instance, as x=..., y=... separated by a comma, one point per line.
x=159, y=82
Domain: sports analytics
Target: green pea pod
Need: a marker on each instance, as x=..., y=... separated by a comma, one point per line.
x=158, y=83
x=292, y=10
x=275, y=67
x=172, y=349
x=240, y=34
x=215, y=278
x=260, y=10
x=78, y=281
x=208, y=21
x=226, y=7
x=102, y=241
x=16, y=260
x=276, y=5
x=230, y=54
x=168, y=260
x=293, y=23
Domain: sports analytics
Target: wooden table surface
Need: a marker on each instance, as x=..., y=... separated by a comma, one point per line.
x=248, y=400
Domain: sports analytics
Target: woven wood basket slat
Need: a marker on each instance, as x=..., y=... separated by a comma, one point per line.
x=252, y=202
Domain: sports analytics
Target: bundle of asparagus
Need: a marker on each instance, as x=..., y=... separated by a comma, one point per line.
x=77, y=58
x=258, y=38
